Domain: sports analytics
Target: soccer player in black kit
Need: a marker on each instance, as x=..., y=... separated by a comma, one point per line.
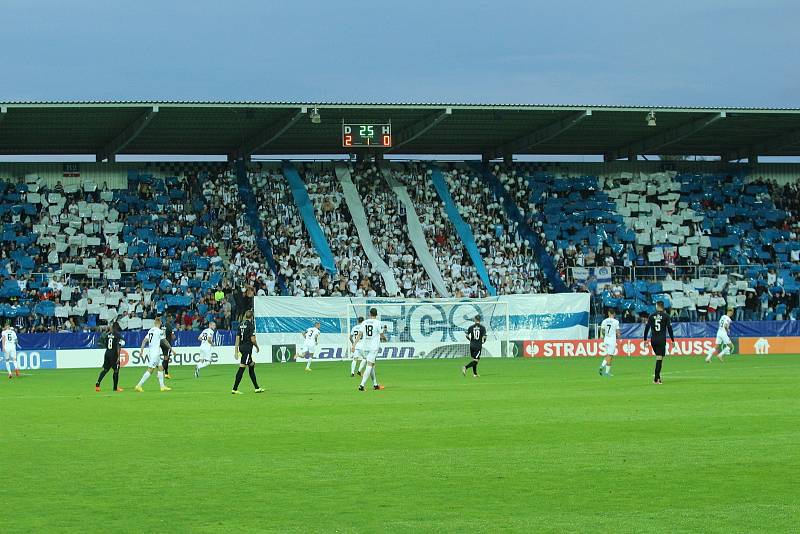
x=112, y=341
x=166, y=343
x=476, y=334
x=245, y=342
x=658, y=323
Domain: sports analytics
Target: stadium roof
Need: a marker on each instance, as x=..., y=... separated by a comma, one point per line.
x=245, y=128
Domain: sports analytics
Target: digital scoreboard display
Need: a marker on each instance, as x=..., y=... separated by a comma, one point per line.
x=366, y=135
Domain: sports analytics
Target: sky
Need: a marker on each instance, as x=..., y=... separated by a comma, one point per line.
x=720, y=53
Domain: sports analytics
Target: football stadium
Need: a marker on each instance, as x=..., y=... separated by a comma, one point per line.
x=320, y=316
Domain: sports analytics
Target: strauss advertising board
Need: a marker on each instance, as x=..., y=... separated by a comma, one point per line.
x=595, y=347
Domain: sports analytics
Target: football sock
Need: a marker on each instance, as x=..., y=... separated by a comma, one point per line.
x=166, y=366
x=308, y=363
x=252, y=370
x=362, y=366
x=475, y=368
x=161, y=378
x=116, y=379
x=353, y=366
x=725, y=351
x=239, y=375
x=658, y=369
x=102, y=375
x=145, y=376
x=608, y=369
x=374, y=377
x=8, y=366
x=365, y=376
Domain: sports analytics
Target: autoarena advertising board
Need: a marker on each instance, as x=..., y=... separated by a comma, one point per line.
x=625, y=347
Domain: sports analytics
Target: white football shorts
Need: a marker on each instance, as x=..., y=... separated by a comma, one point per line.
x=371, y=355
x=11, y=355
x=205, y=352
x=309, y=347
x=154, y=358
x=722, y=337
x=610, y=346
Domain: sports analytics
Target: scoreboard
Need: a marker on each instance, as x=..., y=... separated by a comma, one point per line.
x=359, y=135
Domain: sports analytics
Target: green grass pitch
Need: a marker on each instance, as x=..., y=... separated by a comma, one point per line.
x=531, y=446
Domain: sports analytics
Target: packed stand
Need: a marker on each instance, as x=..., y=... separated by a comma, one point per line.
x=386, y=217
x=355, y=277
x=447, y=249
x=295, y=257
x=247, y=267
x=79, y=256
x=706, y=243
x=510, y=261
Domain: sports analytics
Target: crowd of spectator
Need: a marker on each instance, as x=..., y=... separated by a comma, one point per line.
x=83, y=255
x=77, y=256
x=449, y=252
x=355, y=277
x=509, y=260
x=296, y=260
x=386, y=217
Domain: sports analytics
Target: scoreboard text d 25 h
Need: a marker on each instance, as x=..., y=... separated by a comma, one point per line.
x=366, y=135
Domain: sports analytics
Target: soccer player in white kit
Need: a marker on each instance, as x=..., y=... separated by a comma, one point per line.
x=10, y=349
x=310, y=340
x=357, y=349
x=723, y=345
x=372, y=334
x=206, y=339
x=610, y=329
x=154, y=357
